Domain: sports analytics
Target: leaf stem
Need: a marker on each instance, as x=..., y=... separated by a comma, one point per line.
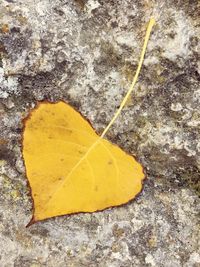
x=147, y=36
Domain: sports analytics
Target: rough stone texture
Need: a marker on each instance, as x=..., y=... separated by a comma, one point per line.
x=85, y=52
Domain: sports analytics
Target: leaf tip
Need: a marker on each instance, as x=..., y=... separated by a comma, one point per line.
x=32, y=221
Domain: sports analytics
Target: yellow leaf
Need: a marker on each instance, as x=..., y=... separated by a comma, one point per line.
x=72, y=169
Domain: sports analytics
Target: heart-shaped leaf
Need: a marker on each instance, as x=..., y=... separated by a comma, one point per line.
x=70, y=168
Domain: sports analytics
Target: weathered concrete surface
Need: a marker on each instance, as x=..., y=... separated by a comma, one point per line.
x=85, y=52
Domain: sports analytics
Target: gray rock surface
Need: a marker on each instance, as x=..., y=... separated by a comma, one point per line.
x=85, y=52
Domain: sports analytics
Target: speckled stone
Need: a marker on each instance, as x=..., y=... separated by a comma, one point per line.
x=85, y=52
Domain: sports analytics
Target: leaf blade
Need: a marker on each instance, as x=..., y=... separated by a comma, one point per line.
x=77, y=189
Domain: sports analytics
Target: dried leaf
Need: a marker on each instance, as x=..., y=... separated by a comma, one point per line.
x=72, y=169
